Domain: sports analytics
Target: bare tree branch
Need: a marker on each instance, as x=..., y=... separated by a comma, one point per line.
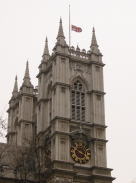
x=3, y=129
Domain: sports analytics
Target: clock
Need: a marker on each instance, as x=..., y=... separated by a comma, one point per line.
x=80, y=153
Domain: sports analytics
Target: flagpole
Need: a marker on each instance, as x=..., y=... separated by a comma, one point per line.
x=69, y=28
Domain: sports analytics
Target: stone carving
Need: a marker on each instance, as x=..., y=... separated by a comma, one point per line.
x=79, y=53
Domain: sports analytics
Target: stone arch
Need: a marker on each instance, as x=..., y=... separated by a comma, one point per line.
x=81, y=79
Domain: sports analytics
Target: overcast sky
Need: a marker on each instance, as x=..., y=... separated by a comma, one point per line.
x=24, y=25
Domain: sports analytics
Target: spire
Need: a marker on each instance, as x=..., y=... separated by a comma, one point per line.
x=61, y=45
x=15, y=89
x=94, y=41
x=60, y=37
x=27, y=71
x=46, y=51
x=60, y=32
x=94, y=46
x=26, y=79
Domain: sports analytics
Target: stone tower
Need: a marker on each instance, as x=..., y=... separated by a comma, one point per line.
x=70, y=114
x=66, y=118
x=22, y=113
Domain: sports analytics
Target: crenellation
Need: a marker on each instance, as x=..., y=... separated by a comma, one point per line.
x=82, y=54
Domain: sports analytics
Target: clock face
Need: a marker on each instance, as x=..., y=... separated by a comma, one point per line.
x=80, y=153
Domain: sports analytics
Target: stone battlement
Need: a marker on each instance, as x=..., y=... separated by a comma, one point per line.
x=83, y=54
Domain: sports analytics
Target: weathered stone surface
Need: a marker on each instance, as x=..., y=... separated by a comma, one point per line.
x=67, y=109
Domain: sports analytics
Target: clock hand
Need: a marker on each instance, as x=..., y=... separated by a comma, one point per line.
x=80, y=152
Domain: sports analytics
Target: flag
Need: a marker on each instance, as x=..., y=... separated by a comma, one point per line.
x=76, y=29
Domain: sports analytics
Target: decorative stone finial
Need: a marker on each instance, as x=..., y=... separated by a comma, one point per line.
x=77, y=49
x=46, y=51
x=60, y=32
x=15, y=89
x=94, y=41
x=94, y=46
x=61, y=45
x=60, y=37
x=26, y=80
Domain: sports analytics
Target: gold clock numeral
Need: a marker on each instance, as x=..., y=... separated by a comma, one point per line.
x=87, y=158
x=72, y=150
x=73, y=155
x=80, y=153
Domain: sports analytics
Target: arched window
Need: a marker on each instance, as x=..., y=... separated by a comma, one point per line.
x=78, y=101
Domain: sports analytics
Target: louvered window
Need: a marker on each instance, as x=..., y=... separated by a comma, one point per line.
x=78, y=101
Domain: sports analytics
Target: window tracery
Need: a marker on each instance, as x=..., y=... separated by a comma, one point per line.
x=78, y=101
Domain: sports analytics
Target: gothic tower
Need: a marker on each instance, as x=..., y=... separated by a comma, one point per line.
x=22, y=113
x=70, y=114
x=66, y=118
x=13, y=109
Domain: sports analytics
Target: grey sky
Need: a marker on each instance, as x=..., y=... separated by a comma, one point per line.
x=24, y=25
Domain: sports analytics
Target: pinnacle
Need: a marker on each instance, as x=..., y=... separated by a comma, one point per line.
x=94, y=41
x=46, y=40
x=77, y=49
x=60, y=37
x=27, y=71
x=94, y=46
x=26, y=79
x=46, y=49
x=60, y=32
x=60, y=20
x=15, y=89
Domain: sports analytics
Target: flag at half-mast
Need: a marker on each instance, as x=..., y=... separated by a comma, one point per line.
x=76, y=29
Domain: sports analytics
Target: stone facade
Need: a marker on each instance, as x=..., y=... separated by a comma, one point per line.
x=22, y=112
x=64, y=117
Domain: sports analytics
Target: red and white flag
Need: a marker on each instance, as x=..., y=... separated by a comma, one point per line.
x=76, y=29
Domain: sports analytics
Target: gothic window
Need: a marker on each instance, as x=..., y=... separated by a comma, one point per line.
x=78, y=101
